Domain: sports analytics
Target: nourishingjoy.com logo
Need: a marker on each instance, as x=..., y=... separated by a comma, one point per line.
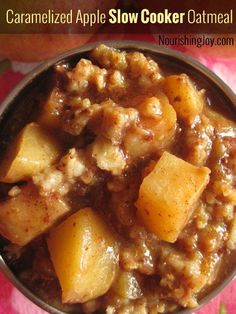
x=194, y=40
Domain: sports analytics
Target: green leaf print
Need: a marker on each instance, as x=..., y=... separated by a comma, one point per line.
x=222, y=309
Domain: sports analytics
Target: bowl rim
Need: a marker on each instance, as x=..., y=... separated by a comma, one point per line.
x=120, y=44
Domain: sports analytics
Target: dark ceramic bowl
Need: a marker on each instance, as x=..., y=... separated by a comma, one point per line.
x=21, y=100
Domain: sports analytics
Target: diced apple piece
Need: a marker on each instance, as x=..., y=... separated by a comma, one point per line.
x=27, y=215
x=127, y=286
x=168, y=194
x=32, y=151
x=84, y=254
x=183, y=96
x=50, y=115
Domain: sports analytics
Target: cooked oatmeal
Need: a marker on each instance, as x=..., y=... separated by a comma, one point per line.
x=122, y=191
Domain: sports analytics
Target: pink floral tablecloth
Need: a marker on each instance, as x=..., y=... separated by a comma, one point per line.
x=11, y=300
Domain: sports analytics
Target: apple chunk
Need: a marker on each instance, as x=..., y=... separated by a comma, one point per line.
x=168, y=194
x=84, y=255
x=183, y=96
x=32, y=150
x=50, y=115
x=26, y=215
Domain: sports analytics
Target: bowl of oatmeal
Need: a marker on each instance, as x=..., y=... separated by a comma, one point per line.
x=117, y=182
